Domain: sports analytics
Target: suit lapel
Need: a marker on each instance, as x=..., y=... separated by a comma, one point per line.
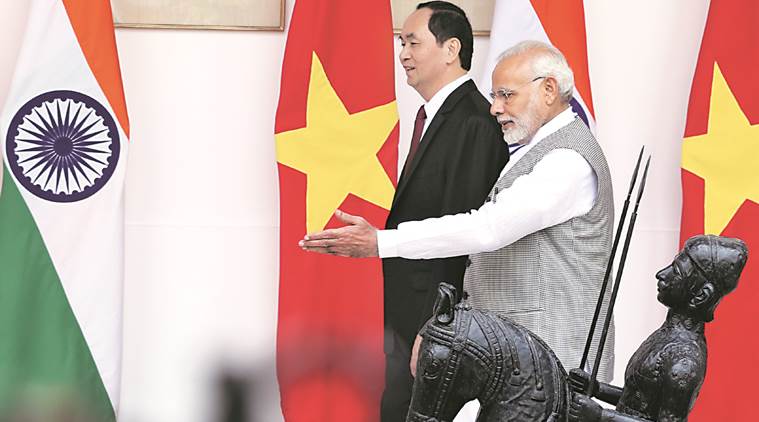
x=429, y=135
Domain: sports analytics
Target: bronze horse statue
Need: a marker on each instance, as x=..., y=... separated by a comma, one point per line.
x=468, y=353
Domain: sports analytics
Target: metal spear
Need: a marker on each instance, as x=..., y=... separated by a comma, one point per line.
x=617, y=235
x=618, y=279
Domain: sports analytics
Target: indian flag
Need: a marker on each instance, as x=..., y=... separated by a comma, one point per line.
x=559, y=23
x=64, y=133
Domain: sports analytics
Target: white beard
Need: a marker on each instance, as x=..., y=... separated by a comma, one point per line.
x=516, y=134
x=525, y=127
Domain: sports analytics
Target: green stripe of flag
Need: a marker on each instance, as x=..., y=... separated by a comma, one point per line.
x=43, y=354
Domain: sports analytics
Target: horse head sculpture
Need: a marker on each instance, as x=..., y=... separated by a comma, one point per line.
x=467, y=353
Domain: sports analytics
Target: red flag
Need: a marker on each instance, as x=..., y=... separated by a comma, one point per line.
x=720, y=196
x=337, y=137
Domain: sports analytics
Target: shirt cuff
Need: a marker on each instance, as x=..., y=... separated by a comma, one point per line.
x=387, y=243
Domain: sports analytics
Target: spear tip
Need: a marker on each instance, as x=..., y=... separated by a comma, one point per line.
x=635, y=172
x=643, y=180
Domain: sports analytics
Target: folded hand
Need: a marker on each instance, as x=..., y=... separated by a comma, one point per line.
x=580, y=382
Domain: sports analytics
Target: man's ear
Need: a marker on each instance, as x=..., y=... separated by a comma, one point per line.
x=703, y=297
x=452, y=48
x=551, y=90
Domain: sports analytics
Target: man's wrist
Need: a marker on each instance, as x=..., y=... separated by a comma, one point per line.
x=387, y=243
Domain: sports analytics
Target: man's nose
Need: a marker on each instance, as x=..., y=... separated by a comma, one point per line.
x=496, y=108
x=403, y=54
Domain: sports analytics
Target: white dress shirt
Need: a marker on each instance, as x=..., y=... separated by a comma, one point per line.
x=433, y=105
x=561, y=186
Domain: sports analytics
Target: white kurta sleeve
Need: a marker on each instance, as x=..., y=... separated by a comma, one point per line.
x=561, y=186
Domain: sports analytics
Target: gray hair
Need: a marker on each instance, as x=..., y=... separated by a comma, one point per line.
x=548, y=62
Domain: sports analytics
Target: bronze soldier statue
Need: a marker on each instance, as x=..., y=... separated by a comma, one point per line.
x=665, y=374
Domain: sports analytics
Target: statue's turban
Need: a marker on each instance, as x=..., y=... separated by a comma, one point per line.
x=720, y=260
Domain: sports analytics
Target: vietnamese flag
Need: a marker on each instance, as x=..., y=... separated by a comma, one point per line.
x=721, y=196
x=337, y=139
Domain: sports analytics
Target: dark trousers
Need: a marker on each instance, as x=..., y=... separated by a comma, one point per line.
x=398, y=382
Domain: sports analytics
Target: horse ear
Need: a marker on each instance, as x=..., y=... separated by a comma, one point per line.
x=444, y=305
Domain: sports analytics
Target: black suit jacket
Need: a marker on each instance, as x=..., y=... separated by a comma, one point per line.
x=458, y=161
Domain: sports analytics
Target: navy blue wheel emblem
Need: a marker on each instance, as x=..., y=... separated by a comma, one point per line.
x=63, y=146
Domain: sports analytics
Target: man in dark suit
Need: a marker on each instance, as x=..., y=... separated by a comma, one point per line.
x=456, y=154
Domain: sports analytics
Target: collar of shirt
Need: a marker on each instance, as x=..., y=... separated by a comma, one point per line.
x=433, y=105
x=518, y=151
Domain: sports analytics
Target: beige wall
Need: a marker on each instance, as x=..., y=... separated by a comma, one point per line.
x=202, y=213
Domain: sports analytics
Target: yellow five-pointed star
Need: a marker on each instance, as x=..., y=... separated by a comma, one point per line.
x=725, y=157
x=337, y=151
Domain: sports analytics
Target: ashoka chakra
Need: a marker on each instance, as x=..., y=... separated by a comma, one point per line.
x=63, y=146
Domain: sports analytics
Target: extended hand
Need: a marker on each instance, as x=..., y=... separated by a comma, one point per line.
x=358, y=239
x=584, y=409
x=579, y=381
